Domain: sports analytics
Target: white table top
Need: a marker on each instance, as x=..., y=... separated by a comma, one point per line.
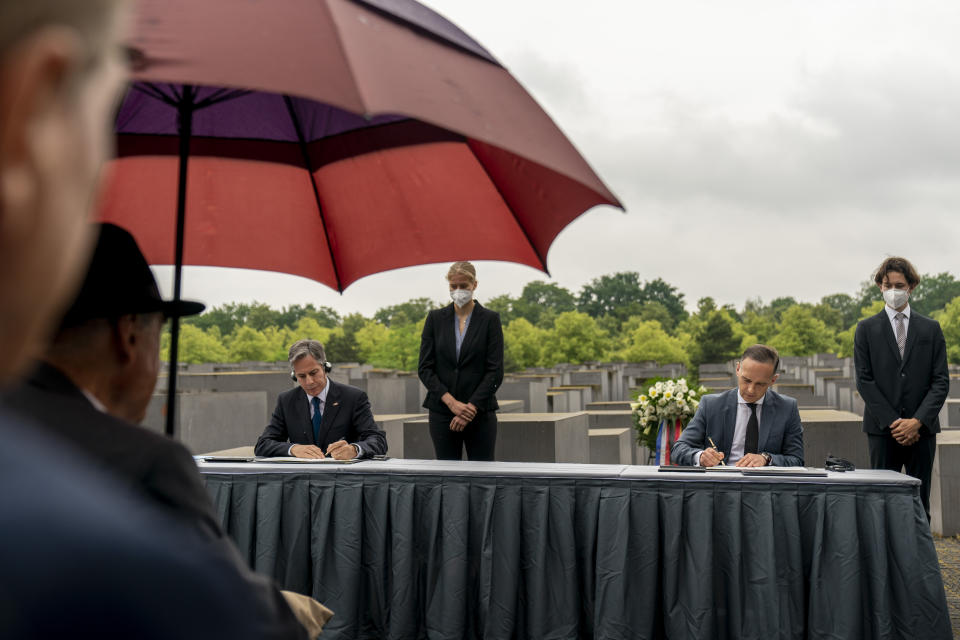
x=549, y=470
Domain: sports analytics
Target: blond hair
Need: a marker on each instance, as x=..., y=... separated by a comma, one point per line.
x=462, y=268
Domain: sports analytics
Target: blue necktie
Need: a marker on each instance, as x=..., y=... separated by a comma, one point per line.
x=317, y=417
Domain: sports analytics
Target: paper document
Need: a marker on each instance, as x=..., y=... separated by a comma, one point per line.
x=292, y=460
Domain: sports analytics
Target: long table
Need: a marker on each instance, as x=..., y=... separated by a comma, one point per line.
x=435, y=549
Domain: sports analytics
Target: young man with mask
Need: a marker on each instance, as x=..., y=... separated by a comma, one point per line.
x=901, y=367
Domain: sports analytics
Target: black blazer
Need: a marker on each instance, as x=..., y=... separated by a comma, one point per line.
x=473, y=377
x=147, y=462
x=915, y=386
x=346, y=416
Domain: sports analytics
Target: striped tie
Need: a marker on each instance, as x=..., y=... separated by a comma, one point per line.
x=901, y=333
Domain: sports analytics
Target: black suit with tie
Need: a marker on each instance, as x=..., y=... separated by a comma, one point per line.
x=892, y=387
x=346, y=416
x=473, y=377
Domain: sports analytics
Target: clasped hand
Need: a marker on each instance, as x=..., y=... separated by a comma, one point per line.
x=905, y=431
x=463, y=413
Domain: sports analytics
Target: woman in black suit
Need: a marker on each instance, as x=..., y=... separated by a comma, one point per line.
x=461, y=365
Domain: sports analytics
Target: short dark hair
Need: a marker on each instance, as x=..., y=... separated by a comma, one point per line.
x=901, y=266
x=763, y=354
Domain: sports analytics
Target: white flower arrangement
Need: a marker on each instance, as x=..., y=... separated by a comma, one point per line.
x=668, y=400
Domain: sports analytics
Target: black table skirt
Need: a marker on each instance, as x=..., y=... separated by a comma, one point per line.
x=425, y=555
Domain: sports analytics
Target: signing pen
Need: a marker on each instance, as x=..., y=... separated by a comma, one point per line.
x=712, y=444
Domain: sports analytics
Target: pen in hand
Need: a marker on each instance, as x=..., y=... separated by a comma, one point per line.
x=713, y=444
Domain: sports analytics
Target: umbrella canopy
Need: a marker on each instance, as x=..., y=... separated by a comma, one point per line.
x=331, y=139
x=371, y=135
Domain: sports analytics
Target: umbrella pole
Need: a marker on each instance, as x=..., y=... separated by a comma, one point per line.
x=185, y=116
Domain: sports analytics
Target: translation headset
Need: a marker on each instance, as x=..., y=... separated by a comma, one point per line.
x=327, y=367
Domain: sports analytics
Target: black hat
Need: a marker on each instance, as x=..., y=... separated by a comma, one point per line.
x=119, y=281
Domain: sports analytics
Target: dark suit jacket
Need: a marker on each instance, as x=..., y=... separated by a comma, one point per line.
x=473, y=377
x=781, y=434
x=346, y=416
x=84, y=557
x=892, y=387
x=148, y=462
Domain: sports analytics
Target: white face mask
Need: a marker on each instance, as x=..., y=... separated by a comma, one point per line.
x=461, y=296
x=895, y=298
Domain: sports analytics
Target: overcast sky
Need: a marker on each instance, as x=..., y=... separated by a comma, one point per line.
x=761, y=149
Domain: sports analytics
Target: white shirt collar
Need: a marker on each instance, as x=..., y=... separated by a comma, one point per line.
x=99, y=406
x=892, y=313
x=740, y=399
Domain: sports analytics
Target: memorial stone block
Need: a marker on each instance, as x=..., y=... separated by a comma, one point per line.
x=839, y=433
x=611, y=446
x=945, y=486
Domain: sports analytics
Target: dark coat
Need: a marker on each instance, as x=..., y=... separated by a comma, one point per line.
x=781, y=433
x=892, y=387
x=476, y=375
x=346, y=416
x=147, y=462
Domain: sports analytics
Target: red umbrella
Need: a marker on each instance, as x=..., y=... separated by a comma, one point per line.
x=333, y=139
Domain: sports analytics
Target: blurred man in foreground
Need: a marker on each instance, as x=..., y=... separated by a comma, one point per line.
x=80, y=556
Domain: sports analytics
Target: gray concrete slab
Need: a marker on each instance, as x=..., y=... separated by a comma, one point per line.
x=945, y=486
x=595, y=378
x=531, y=391
x=210, y=421
x=611, y=446
x=510, y=406
x=614, y=405
x=828, y=431
x=610, y=419
x=543, y=437
x=403, y=441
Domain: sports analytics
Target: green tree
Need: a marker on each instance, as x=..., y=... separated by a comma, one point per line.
x=325, y=316
x=278, y=340
x=647, y=340
x=761, y=327
x=654, y=311
x=659, y=292
x=845, y=338
x=619, y=295
x=523, y=344
x=934, y=292
x=575, y=338
x=800, y=333
x=949, y=319
x=718, y=341
x=503, y=304
x=409, y=312
x=868, y=294
x=248, y=344
x=196, y=346
x=539, y=298
x=369, y=338
x=779, y=305
x=342, y=345
x=846, y=305
x=400, y=349
x=309, y=329
x=830, y=316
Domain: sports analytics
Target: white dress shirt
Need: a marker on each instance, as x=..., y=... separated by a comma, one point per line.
x=740, y=430
x=892, y=314
x=323, y=403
